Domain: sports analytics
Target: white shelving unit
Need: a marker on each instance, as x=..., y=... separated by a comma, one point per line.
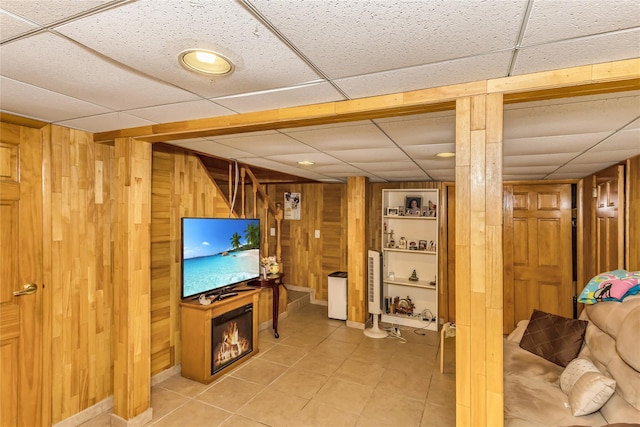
x=400, y=262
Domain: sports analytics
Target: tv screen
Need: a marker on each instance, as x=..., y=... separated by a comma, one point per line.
x=218, y=253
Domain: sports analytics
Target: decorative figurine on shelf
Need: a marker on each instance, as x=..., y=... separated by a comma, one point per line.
x=403, y=243
x=392, y=243
x=413, y=277
x=269, y=266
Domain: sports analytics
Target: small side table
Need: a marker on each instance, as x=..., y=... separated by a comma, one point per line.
x=448, y=330
x=273, y=282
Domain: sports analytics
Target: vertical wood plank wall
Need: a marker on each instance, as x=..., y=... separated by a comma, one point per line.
x=132, y=281
x=479, y=388
x=81, y=191
x=632, y=214
x=307, y=260
x=180, y=188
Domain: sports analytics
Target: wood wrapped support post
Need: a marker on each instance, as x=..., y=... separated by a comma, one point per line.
x=242, y=176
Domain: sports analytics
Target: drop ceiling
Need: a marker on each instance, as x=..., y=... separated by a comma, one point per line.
x=108, y=65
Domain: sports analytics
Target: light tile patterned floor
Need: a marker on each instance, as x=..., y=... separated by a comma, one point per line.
x=318, y=373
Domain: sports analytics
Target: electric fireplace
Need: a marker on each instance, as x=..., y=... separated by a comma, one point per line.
x=231, y=337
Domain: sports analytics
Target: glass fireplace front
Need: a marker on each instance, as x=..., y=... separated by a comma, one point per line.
x=231, y=337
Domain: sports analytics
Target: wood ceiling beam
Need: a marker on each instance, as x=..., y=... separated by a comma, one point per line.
x=576, y=81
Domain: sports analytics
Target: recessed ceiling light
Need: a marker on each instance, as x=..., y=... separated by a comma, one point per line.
x=306, y=163
x=446, y=154
x=205, y=62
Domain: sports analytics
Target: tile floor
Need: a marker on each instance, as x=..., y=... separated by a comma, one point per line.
x=318, y=373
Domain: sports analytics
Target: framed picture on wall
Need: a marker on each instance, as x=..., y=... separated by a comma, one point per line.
x=392, y=211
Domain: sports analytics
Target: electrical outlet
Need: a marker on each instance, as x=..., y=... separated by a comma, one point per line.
x=272, y=231
x=317, y=234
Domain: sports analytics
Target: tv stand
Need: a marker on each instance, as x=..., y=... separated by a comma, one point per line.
x=196, y=322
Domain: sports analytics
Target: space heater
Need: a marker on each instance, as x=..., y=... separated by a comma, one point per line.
x=374, y=293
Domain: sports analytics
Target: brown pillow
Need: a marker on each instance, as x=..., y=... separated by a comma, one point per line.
x=555, y=338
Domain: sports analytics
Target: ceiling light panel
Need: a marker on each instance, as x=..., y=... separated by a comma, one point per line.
x=163, y=29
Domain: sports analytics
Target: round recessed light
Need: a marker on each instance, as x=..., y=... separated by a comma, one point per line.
x=446, y=154
x=205, y=62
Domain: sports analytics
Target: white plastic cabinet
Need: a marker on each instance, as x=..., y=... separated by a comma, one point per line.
x=410, y=244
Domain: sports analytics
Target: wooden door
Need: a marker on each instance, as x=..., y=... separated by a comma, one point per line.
x=537, y=251
x=20, y=264
x=609, y=223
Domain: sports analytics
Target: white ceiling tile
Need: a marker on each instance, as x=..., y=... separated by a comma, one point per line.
x=369, y=155
x=384, y=166
x=164, y=29
x=284, y=168
x=576, y=143
x=105, y=122
x=316, y=157
x=48, y=12
x=584, y=169
x=437, y=164
x=25, y=60
x=423, y=130
x=428, y=152
x=267, y=145
x=31, y=101
x=571, y=53
x=623, y=140
x=398, y=34
x=11, y=26
x=211, y=147
x=335, y=137
x=538, y=160
x=569, y=118
x=605, y=156
x=523, y=177
x=528, y=170
x=559, y=20
x=315, y=93
x=180, y=111
x=471, y=69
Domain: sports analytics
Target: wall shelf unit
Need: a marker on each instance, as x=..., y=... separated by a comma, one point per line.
x=410, y=257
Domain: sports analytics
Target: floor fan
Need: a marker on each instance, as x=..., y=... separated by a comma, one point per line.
x=374, y=294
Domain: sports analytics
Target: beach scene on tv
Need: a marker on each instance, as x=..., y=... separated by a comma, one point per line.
x=218, y=252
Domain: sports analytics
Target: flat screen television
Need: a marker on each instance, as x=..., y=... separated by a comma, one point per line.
x=218, y=253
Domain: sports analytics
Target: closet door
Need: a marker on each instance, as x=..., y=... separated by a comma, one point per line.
x=609, y=219
x=537, y=251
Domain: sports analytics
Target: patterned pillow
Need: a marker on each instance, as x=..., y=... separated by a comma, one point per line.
x=553, y=337
x=613, y=285
x=587, y=389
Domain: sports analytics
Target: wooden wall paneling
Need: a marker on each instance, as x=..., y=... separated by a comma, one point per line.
x=633, y=214
x=47, y=278
x=132, y=283
x=333, y=237
x=181, y=186
x=357, y=251
x=479, y=263
x=79, y=195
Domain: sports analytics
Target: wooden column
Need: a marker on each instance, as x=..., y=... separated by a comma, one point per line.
x=132, y=284
x=478, y=241
x=356, y=250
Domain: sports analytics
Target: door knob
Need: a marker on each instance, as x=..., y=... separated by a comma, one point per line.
x=29, y=288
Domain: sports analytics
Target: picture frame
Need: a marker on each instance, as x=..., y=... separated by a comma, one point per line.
x=392, y=211
x=422, y=245
x=413, y=205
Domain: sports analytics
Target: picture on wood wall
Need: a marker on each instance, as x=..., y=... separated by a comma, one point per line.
x=291, y=205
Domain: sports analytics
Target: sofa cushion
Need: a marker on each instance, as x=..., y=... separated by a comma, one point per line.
x=627, y=342
x=586, y=387
x=553, y=337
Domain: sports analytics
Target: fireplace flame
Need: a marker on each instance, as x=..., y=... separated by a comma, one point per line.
x=232, y=345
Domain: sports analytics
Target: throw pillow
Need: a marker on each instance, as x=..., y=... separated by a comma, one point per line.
x=586, y=387
x=553, y=337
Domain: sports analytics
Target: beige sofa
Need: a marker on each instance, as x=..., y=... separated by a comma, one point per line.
x=532, y=392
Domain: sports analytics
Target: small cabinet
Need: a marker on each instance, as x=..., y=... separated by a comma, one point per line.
x=410, y=257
